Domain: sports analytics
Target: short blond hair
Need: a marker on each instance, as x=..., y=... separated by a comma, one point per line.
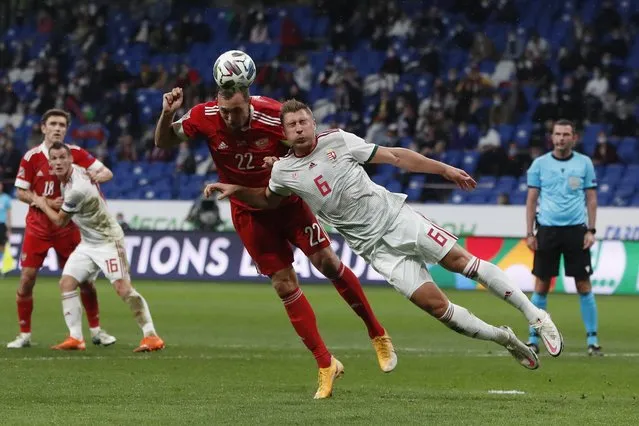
x=293, y=105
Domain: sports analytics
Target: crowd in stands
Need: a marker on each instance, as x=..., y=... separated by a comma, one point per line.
x=474, y=83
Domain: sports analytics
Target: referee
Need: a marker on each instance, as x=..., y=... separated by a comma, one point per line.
x=5, y=220
x=562, y=202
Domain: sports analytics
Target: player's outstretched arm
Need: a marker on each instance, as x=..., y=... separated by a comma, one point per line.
x=260, y=198
x=59, y=218
x=165, y=136
x=417, y=163
x=103, y=174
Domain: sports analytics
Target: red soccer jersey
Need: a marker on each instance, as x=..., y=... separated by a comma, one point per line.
x=239, y=156
x=35, y=174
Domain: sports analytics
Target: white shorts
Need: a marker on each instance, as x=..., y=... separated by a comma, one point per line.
x=402, y=253
x=87, y=260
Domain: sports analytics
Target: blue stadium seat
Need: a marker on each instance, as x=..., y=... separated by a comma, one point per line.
x=506, y=184
x=394, y=186
x=415, y=187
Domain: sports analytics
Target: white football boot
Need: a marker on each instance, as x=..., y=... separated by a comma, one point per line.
x=23, y=340
x=518, y=349
x=550, y=335
x=102, y=338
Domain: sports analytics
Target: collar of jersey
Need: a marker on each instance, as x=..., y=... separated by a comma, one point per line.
x=572, y=154
x=45, y=151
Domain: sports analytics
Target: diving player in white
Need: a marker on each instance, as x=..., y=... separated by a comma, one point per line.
x=324, y=170
x=101, y=248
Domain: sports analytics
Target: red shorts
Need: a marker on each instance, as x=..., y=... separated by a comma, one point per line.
x=268, y=234
x=35, y=247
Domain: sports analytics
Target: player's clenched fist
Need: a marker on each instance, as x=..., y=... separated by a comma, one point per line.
x=172, y=100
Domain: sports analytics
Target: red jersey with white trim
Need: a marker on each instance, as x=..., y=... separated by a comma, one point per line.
x=35, y=175
x=238, y=155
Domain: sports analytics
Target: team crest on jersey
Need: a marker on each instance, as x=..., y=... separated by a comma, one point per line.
x=222, y=145
x=261, y=143
x=332, y=155
x=310, y=166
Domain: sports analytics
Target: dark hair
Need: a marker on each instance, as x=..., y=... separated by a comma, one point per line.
x=293, y=105
x=229, y=93
x=564, y=122
x=60, y=145
x=55, y=112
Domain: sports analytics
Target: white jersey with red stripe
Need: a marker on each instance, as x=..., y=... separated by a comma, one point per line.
x=335, y=186
x=83, y=200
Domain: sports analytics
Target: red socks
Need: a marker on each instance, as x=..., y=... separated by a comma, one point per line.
x=89, y=298
x=349, y=287
x=25, y=307
x=303, y=319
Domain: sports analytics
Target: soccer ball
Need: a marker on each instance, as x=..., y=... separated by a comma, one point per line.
x=234, y=69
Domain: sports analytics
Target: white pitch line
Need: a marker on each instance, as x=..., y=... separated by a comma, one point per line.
x=506, y=392
x=291, y=353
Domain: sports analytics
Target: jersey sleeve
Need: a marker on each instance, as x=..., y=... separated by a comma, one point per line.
x=72, y=201
x=189, y=125
x=533, y=179
x=276, y=184
x=359, y=148
x=24, y=178
x=590, y=181
x=85, y=160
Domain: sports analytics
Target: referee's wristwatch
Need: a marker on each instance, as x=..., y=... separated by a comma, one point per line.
x=593, y=231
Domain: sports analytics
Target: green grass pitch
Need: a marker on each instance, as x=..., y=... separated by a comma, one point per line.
x=233, y=358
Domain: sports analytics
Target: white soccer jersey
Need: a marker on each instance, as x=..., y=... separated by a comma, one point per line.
x=83, y=199
x=338, y=190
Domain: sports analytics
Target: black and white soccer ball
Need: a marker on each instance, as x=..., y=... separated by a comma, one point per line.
x=234, y=69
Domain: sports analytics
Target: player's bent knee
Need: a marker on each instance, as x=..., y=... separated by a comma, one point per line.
x=284, y=281
x=430, y=299
x=122, y=287
x=583, y=285
x=27, y=281
x=456, y=259
x=68, y=283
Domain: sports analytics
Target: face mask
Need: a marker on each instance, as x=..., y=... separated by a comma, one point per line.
x=601, y=139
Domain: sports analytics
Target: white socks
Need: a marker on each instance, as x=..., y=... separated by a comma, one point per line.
x=459, y=319
x=141, y=312
x=496, y=280
x=72, y=310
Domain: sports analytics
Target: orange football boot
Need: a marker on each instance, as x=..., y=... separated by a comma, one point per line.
x=150, y=344
x=70, y=344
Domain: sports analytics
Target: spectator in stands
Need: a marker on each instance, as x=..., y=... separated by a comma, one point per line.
x=126, y=150
x=514, y=46
x=461, y=139
x=392, y=68
x=429, y=60
x=185, y=161
x=598, y=85
x=101, y=153
x=605, y=153
x=489, y=139
x=303, y=74
x=161, y=78
x=547, y=108
x=9, y=163
x=607, y=19
x=500, y=112
x=537, y=47
x=625, y=124
x=291, y=37
x=402, y=27
x=271, y=77
x=462, y=38
x=482, y=48
x=259, y=32
x=517, y=161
